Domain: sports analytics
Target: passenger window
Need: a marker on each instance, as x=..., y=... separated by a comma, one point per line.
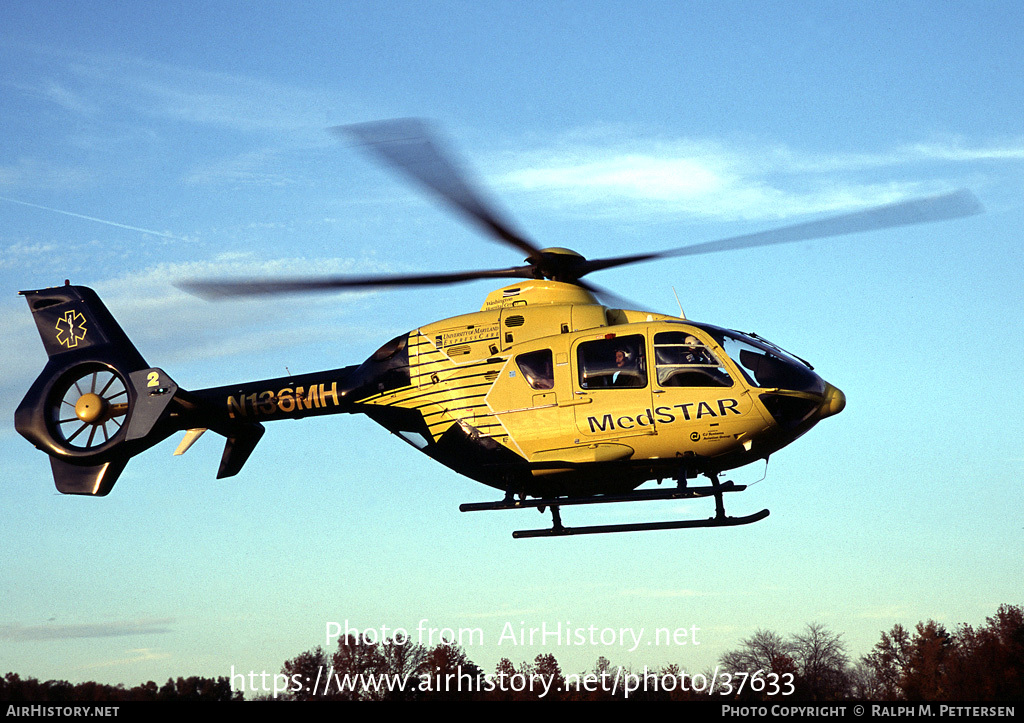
x=682, y=360
x=615, y=362
x=537, y=368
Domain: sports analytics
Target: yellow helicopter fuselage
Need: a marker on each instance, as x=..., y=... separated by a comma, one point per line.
x=526, y=394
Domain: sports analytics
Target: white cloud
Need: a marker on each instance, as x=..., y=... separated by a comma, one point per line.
x=191, y=328
x=32, y=174
x=132, y=86
x=883, y=613
x=636, y=175
x=18, y=254
x=705, y=179
x=1013, y=151
x=652, y=594
x=509, y=614
x=251, y=168
x=135, y=656
x=115, y=628
x=62, y=96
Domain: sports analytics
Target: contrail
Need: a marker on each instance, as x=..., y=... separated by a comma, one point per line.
x=97, y=220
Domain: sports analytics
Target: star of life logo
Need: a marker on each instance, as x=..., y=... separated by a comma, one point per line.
x=71, y=329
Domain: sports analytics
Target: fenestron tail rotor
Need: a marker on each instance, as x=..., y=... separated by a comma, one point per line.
x=96, y=403
x=88, y=409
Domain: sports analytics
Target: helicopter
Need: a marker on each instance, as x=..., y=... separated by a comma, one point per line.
x=556, y=392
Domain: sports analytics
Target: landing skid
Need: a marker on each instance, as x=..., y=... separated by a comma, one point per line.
x=715, y=490
x=641, y=527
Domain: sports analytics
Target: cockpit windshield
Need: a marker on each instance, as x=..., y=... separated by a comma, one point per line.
x=765, y=365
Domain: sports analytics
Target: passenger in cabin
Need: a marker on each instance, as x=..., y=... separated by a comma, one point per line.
x=612, y=362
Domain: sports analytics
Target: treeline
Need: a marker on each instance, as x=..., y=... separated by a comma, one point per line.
x=15, y=689
x=930, y=663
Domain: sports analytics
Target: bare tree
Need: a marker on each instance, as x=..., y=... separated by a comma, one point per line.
x=403, y=662
x=354, y=658
x=821, y=663
x=765, y=650
x=864, y=683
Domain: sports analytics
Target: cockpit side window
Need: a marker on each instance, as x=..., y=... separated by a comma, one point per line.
x=766, y=365
x=683, y=360
x=537, y=368
x=615, y=362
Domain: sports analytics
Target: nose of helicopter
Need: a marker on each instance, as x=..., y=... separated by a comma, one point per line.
x=833, y=403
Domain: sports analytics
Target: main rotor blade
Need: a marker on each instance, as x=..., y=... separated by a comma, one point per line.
x=217, y=290
x=608, y=298
x=406, y=144
x=905, y=213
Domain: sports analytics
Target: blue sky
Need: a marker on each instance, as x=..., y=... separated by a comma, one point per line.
x=143, y=145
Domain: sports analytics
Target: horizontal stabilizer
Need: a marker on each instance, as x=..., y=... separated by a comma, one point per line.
x=188, y=440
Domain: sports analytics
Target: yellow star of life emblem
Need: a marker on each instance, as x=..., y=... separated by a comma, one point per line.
x=71, y=329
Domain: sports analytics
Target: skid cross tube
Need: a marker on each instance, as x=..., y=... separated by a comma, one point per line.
x=676, y=493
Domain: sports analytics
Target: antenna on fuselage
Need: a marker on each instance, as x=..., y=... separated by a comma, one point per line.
x=681, y=314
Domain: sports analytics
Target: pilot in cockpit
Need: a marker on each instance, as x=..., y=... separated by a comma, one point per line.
x=625, y=374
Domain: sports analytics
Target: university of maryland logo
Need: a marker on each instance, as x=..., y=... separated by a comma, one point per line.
x=71, y=329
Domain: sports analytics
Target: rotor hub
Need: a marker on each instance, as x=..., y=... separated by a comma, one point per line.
x=92, y=408
x=559, y=251
x=558, y=264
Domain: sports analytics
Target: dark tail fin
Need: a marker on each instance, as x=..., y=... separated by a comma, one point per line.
x=97, y=402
